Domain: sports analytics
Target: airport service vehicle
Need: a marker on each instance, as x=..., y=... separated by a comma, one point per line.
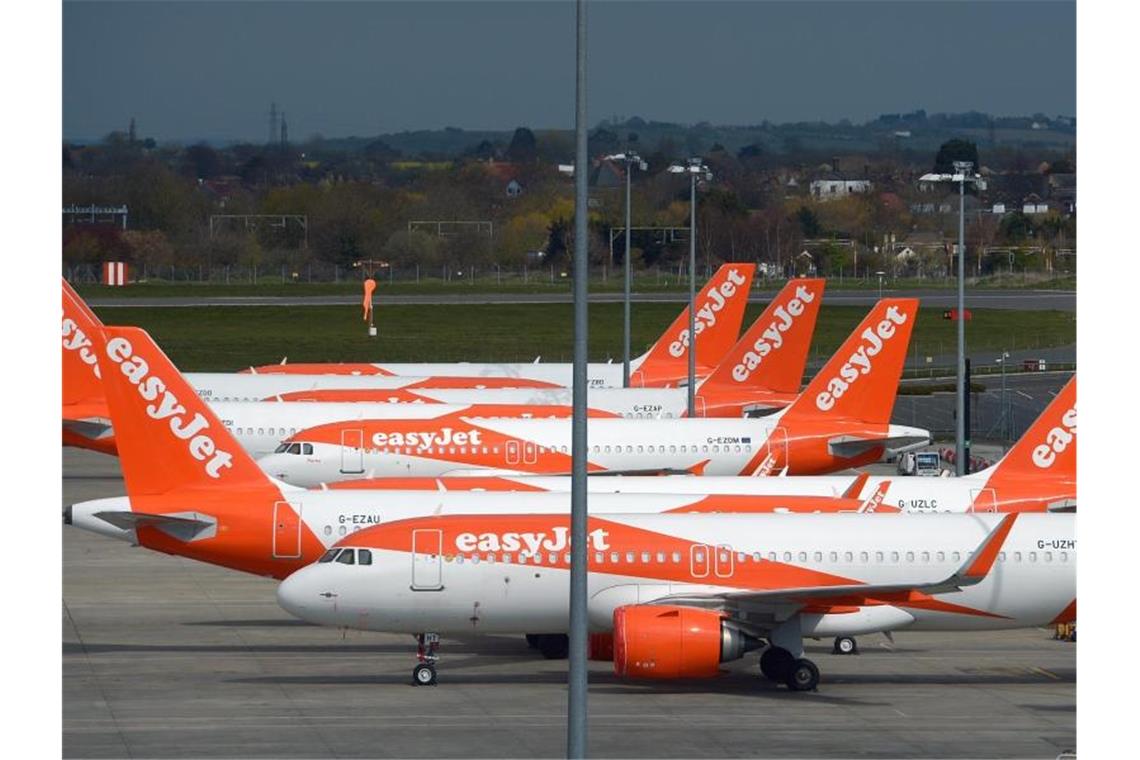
x=923, y=464
x=86, y=421
x=1037, y=474
x=841, y=420
x=193, y=492
x=682, y=593
x=758, y=376
x=720, y=311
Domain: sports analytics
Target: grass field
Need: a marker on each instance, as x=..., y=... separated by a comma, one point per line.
x=231, y=338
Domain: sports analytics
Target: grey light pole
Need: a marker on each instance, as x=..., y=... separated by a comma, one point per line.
x=963, y=174
x=576, y=714
x=694, y=168
x=630, y=159
x=1005, y=431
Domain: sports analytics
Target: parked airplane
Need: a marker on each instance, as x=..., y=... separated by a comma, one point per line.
x=1039, y=473
x=841, y=420
x=759, y=375
x=681, y=594
x=193, y=492
x=720, y=311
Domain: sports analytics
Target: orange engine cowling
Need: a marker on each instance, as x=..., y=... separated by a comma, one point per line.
x=659, y=641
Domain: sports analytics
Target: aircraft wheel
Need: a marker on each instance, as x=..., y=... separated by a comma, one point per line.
x=775, y=663
x=554, y=646
x=845, y=645
x=423, y=675
x=803, y=676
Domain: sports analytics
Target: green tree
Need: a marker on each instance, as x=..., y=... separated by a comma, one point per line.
x=523, y=148
x=955, y=150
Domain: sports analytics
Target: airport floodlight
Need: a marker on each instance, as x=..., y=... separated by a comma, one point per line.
x=695, y=168
x=631, y=160
x=964, y=172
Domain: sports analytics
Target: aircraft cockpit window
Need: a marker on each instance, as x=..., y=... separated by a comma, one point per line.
x=347, y=557
x=307, y=449
x=281, y=449
x=329, y=555
x=364, y=557
x=294, y=448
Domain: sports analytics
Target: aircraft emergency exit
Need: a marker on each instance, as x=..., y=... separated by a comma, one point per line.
x=720, y=309
x=841, y=420
x=678, y=595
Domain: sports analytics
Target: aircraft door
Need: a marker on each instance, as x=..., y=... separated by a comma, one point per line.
x=352, y=451
x=427, y=564
x=286, y=530
x=983, y=500
x=512, y=452
x=723, y=561
x=530, y=452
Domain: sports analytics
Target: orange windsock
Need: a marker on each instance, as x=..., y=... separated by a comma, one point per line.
x=369, y=286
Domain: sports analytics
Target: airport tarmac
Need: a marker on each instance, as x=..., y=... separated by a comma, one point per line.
x=164, y=657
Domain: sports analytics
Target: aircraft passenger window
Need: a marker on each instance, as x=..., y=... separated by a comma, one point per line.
x=705, y=448
x=699, y=555
x=864, y=557
x=879, y=557
x=818, y=556
x=748, y=448
x=741, y=557
x=329, y=555
x=926, y=556
x=495, y=450
x=599, y=558
x=328, y=530
x=307, y=449
x=1047, y=556
x=628, y=449
x=1032, y=556
x=684, y=449
x=942, y=556
x=522, y=558
x=261, y=431
x=771, y=556
x=645, y=557
x=676, y=557
x=894, y=556
x=737, y=449
x=629, y=557
x=363, y=557
x=957, y=556
x=596, y=449
x=347, y=557
x=342, y=530
x=566, y=558
x=1064, y=556
x=848, y=557
x=459, y=559
x=910, y=556
x=292, y=431
x=672, y=449
x=607, y=449
x=614, y=557
x=787, y=556
x=475, y=559
x=1017, y=556
x=1001, y=556
x=661, y=558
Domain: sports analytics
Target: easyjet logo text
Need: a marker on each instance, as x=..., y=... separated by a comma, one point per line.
x=167, y=407
x=859, y=363
x=427, y=439
x=74, y=339
x=1056, y=440
x=706, y=314
x=773, y=336
x=555, y=541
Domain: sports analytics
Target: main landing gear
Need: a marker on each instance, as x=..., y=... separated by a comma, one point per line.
x=845, y=645
x=779, y=665
x=424, y=672
x=552, y=646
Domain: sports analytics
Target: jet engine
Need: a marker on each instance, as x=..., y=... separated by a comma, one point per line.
x=659, y=641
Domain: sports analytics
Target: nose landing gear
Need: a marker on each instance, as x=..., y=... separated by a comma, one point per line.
x=424, y=673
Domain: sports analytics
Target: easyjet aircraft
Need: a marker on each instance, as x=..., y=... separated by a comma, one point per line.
x=680, y=594
x=720, y=311
x=1039, y=473
x=759, y=375
x=841, y=420
x=193, y=492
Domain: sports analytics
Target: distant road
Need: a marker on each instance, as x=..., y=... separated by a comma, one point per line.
x=1061, y=300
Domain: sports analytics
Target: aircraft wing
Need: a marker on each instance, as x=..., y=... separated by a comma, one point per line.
x=976, y=567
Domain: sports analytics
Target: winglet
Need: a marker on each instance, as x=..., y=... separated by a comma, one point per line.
x=772, y=353
x=978, y=565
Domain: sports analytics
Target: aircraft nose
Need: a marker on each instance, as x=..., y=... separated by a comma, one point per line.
x=302, y=594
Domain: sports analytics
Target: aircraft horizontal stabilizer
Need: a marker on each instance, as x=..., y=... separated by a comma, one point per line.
x=184, y=526
x=92, y=429
x=847, y=447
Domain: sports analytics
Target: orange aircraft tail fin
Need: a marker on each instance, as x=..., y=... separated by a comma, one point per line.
x=81, y=381
x=168, y=438
x=1049, y=447
x=720, y=311
x=772, y=353
x=861, y=379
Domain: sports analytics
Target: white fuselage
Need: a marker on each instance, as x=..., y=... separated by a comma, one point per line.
x=708, y=446
x=468, y=590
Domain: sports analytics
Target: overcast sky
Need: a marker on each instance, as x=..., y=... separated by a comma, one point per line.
x=189, y=70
